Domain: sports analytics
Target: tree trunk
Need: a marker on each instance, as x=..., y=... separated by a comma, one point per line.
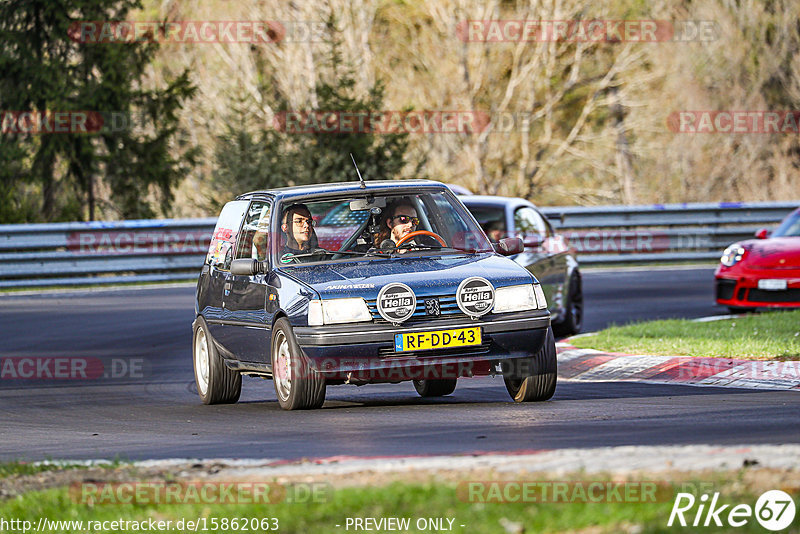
x=623, y=153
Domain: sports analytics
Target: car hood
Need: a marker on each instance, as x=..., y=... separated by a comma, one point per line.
x=437, y=275
x=774, y=253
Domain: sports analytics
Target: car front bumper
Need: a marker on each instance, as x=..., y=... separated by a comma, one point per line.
x=366, y=351
x=744, y=292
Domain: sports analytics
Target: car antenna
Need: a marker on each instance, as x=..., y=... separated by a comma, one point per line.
x=363, y=185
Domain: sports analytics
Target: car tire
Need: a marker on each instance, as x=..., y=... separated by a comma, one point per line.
x=437, y=387
x=572, y=323
x=297, y=386
x=534, y=378
x=216, y=384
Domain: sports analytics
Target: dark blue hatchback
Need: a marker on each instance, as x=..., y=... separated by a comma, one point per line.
x=356, y=283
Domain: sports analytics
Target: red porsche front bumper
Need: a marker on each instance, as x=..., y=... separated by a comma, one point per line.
x=749, y=289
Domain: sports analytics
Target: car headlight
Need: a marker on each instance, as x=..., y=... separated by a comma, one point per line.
x=519, y=298
x=732, y=255
x=334, y=311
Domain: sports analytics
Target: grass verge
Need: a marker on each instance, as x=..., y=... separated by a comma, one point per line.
x=8, y=469
x=763, y=336
x=419, y=502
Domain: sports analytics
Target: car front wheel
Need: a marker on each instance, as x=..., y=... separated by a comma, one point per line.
x=534, y=378
x=297, y=386
x=216, y=384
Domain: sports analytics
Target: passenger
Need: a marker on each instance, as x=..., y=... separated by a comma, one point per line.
x=495, y=230
x=298, y=230
x=399, y=220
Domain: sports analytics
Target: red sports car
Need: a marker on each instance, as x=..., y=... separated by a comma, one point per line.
x=762, y=272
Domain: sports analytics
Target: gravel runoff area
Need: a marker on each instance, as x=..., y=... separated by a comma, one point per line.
x=770, y=464
x=620, y=461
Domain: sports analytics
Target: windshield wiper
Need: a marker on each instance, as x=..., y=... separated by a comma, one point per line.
x=370, y=252
x=432, y=247
x=289, y=256
x=469, y=250
x=377, y=252
x=419, y=248
x=318, y=252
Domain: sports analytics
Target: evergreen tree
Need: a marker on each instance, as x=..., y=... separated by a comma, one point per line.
x=46, y=67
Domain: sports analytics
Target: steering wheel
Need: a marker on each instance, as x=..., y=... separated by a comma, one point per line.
x=411, y=235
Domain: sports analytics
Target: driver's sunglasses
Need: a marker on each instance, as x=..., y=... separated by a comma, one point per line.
x=405, y=219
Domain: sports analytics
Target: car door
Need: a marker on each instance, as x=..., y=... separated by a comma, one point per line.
x=537, y=257
x=212, y=292
x=558, y=254
x=245, y=297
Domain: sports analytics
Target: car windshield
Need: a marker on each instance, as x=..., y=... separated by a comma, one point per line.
x=790, y=227
x=382, y=226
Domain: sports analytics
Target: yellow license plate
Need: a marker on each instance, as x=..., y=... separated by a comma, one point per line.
x=437, y=339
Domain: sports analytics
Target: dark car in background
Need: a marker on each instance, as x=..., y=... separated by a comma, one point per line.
x=351, y=307
x=546, y=254
x=763, y=272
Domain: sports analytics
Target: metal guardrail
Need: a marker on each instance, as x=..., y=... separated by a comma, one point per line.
x=662, y=232
x=102, y=252
x=174, y=249
x=671, y=215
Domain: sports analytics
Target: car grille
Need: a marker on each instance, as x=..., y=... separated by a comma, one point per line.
x=725, y=289
x=742, y=293
x=788, y=295
x=447, y=304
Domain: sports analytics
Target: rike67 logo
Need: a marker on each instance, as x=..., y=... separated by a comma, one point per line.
x=774, y=510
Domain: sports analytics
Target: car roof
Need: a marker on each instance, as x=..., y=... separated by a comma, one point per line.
x=338, y=188
x=460, y=189
x=495, y=201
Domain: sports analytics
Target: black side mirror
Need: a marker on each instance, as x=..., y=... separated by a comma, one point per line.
x=247, y=267
x=509, y=246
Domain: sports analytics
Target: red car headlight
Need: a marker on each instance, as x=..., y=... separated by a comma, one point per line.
x=732, y=255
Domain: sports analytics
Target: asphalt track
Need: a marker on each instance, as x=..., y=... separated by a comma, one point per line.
x=155, y=413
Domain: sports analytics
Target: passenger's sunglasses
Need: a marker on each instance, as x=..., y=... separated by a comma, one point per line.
x=405, y=219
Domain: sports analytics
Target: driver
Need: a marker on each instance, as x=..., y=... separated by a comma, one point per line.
x=400, y=220
x=298, y=228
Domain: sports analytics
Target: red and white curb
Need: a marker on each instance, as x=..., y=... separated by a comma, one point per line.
x=594, y=365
